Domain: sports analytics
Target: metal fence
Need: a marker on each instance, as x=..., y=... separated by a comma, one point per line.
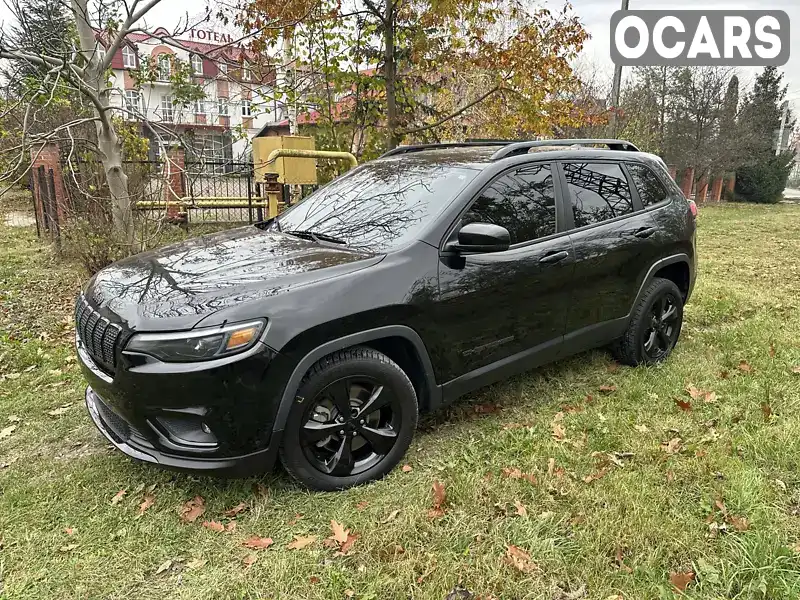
x=220, y=192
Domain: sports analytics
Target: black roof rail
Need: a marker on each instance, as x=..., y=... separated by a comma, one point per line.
x=518, y=148
x=421, y=147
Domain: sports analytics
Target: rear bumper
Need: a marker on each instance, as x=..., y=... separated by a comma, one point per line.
x=128, y=440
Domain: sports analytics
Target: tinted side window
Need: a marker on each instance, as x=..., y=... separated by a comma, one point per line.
x=650, y=188
x=522, y=201
x=599, y=192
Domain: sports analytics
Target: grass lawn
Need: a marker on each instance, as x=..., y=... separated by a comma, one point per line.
x=579, y=480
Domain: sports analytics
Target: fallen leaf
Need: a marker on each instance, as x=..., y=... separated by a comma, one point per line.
x=147, y=502
x=739, y=523
x=249, y=560
x=349, y=593
x=515, y=473
x=772, y=350
x=257, y=543
x=684, y=405
x=595, y=476
x=362, y=505
x=192, y=509
x=486, y=408
x=230, y=513
x=299, y=542
x=392, y=516
x=619, y=558
x=348, y=544
x=641, y=428
x=118, y=497
x=670, y=476
x=196, y=563
x=796, y=370
x=164, y=566
x=406, y=469
x=295, y=519
x=68, y=548
x=559, y=433
x=710, y=397
x=69, y=530
x=16, y=419
x=744, y=366
x=681, y=580
x=438, y=501
x=517, y=425
x=313, y=580
x=766, y=409
x=612, y=367
x=12, y=376
x=608, y=389
x=673, y=446
x=214, y=526
x=57, y=412
x=723, y=374
x=7, y=431
x=231, y=527
x=521, y=510
x=519, y=559
x=339, y=532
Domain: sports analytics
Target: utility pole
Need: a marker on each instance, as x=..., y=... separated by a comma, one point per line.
x=615, y=88
x=784, y=116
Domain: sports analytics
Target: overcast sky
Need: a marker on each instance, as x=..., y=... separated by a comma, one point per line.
x=595, y=15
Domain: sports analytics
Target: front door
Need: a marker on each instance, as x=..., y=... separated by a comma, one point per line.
x=495, y=306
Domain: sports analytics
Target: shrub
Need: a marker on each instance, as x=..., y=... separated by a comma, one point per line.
x=764, y=181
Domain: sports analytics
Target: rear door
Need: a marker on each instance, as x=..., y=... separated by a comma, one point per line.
x=614, y=243
x=497, y=304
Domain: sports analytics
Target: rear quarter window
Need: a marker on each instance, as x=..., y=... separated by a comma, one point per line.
x=647, y=183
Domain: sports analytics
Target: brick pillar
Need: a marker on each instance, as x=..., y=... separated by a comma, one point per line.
x=48, y=156
x=716, y=189
x=673, y=172
x=173, y=181
x=702, y=189
x=687, y=181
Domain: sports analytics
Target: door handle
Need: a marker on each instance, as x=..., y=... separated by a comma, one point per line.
x=644, y=232
x=555, y=257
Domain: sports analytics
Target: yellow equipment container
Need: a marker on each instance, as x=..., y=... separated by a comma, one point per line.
x=290, y=170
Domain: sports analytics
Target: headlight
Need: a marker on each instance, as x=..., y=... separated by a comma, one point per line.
x=200, y=344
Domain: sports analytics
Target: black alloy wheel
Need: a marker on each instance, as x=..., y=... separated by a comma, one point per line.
x=662, y=333
x=350, y=426
x=353, y=419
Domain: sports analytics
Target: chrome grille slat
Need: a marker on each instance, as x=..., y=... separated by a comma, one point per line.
x=99, y=336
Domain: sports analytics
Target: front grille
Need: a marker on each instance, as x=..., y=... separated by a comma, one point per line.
x=100, y=336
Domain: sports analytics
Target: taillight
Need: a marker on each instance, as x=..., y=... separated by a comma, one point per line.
x=692, y=207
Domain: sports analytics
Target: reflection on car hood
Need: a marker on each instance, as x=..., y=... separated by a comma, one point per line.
x=178, y=285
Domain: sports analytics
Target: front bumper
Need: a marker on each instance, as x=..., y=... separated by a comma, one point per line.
x=130, y=441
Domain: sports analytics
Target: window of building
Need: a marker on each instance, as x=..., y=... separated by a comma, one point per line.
x=133, y=101
x=246, y=74
x=128, y=57
x=222, y=107
x=522, y=201
x=197, y=64
x=199, y=107
x=223, y=68
x=647, y=183
x=166, y=108
x=164, y=67
x=599, y=192
x=209, y=149
x=247, y=108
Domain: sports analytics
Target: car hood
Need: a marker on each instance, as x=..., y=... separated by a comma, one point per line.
x=179, y=285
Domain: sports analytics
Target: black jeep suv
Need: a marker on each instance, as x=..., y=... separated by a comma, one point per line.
x=398, y=287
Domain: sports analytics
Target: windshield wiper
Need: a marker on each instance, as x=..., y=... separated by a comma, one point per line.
x=315, y=236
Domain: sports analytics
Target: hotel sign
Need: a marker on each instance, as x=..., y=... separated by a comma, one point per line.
x=208, y=35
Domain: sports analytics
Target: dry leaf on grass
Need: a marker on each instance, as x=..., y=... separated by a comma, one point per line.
x=214, y=526
x=57, y=412
x=515, y=473
x=192, y=509
x=339, y=532
x=301, y=541
x=69, y=530
x=607, y=389
x=521, y=510
x=745, y=367
x=519, y=559
x=684, y=405
x=487, y=409
x=438, y=501
x=595, y=476
x=392, y=516
x=7, y=431
x=249, y=560
x=230, y=513
x=641, y=428
x=164, y=566
x=407, y=469
x=766, y=410
x=673, y=446
x=681, y=580
x=295, y=519
x=313, y=580
x=68, y=548
x=196, y=563
x=796, y=370
x=362, y=505
x=147, y=502
x=118, y=497
x=739, y=523
x=257, y=543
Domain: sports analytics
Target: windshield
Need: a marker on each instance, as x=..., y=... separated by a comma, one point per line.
x=380, y=206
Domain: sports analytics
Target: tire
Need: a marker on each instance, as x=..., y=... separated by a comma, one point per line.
x=369, y=379
x=631, y=348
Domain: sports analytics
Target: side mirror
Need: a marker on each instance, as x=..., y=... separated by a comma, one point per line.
x=481, y=237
